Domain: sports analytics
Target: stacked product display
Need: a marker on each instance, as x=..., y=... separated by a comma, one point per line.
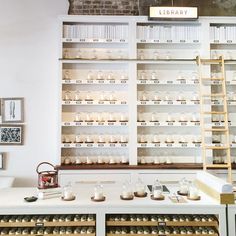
x=107, y=68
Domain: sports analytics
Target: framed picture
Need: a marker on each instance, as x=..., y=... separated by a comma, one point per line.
x=11, y=134
x=1, y=161
x=12, y=110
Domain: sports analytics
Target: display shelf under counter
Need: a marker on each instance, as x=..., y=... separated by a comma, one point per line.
x=12, y=204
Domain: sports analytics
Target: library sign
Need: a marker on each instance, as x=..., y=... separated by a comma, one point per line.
x=173, y=13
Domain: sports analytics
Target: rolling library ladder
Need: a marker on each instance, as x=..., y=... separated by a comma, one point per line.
x=213, y=103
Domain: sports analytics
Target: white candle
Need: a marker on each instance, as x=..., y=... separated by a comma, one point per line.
x=68, y=195
x=126, y=194
x=184, y=189
x=156, y=193
x=98, y=195
x=193, y=193
x=123, y=159
x=140, y=191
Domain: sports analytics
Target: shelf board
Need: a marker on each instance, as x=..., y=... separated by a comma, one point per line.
x=87, y=40
x=168, y=82
x=168, y=145
x=223, y=42
x=157, y=41
x=78, y=81
x=97, y=103
x=47, y=224
x=167, y=103
x=106, y=123
x=169, y=124
x=94, y=145
x=108, y=234
x=157, y=223
x=130, y=167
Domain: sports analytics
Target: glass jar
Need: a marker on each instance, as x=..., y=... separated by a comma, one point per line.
x=127, y=191
x=67, y=96
x=153, y=75
x=140, y=188
x=157, y=189
x=90, y=75
x=98, y=192
x=66, y=75
x=193, y=192
x=183, y=186
x=78, y=96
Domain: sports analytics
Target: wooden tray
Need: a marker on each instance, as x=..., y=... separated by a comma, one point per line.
x=98, y=200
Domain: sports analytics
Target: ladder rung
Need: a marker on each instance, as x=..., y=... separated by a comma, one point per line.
x=212, y=78
x=216, y=130
x=223, y=166
x=214, y=95
x=215, y=112
x=210, y=61
x=217, y=148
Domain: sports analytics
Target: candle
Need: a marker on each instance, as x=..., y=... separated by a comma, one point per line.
x=156, y=193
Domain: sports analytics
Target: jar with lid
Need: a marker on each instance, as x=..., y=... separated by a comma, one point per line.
x=140, y=188
x=193, y=192
x=157, y=189
x=98, y=192
x=183, y=186
x=127, y=190
x=68, y=193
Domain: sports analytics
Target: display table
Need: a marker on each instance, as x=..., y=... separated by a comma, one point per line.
x=12, y=203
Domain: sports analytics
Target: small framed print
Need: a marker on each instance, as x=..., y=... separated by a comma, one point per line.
x=11, y=134
x=12, y=110
x=1, y=161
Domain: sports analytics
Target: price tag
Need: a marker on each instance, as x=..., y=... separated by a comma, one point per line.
x=156, y=103
x=100, y=145
x=112, y=81
x=169, y=82
x=170, y=103
x=112, y=144
x=196, y=81
x=90, y=102
x=143, y=102
x=156, y=81
x=122, y=40
x=66, y=145
x=123, y=123
x=229, y=41
x=89, y=123
x=101, y=81
x=169, y=41
x=78, y=102
x=157, y=145
x=100, y=123
x=68, y=81
x=78, y=81
x=67, y=102
x=184, y=145
x=170, y=123
x=95, y=40
x=143, y=40
x=216, y=41
x=89, y=145
x=183, y=123
x=196, y=102
x=109, y=40
x=123, y=81
x=100, y=102
x=78, y=145
x=77, y=123
x=123, y=145
x=197, y=145
x=156, y=41
x=90, y=81
x=161, y=223
x=67, y=123
x=68, y=40
x=143, y=145
x=112, y=102
x=143, y=123
x=143, y=81
x=183, y=103
x=197, y=123
x=39, y=224
x=110, y=123
x=196, y=41
x=169, y=145
x=182, y=41
x=123, y=102
x=156, y=123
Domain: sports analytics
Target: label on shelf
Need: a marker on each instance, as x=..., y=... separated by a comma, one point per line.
x=161, y=223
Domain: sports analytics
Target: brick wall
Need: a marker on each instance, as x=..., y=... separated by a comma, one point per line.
x=103, y=7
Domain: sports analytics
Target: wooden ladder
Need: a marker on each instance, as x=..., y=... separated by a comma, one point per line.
x=222, y=111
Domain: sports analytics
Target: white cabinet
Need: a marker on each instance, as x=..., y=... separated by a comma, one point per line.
x=129, y=89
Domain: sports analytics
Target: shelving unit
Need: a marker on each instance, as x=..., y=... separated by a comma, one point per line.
x=122, y=61
x=48, y=224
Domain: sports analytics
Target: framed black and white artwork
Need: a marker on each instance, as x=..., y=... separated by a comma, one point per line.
x=11, y=134
x=1, y=160
x=12, y=110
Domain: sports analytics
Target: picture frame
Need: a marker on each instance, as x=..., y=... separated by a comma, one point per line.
x=1, y=160
x=11, y=134
x=12, y=110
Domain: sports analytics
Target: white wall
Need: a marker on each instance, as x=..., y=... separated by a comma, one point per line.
x=29, y=68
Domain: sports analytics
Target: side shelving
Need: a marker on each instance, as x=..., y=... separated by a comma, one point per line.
x=79, y=224
x=159, y=224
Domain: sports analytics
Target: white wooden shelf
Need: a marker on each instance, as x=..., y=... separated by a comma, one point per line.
x=168, y=145
x=94, y=145
x=68, y=103
x=169, y=124
x=164, y=103
x=158, y=41
x=86, y=40
x=94, y=82
x=94, y=124
x=169, y=82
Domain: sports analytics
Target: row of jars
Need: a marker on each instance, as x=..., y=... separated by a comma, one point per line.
x=94, y=96
x=48, y=230
x=159, y=138
x=94, y=53
x=155, y=54
x=160, y=230
x=96, y=75
x=95, y=138
x=162, y=218
x=154, y=75
x=100, y=117
x=168, y=117
x=46, y=218
x=93, y=159
x=167, y=96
